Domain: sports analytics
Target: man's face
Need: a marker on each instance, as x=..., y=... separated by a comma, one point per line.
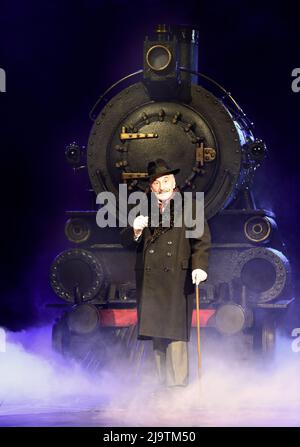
x=163, y=186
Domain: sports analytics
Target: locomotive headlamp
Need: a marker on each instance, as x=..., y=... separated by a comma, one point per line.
x=158, y=58
x=74, y=154
x=259, y=228
x=257, y=150
x=160, y=74
x=77, y=230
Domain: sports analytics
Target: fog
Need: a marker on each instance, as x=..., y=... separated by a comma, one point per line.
x=236, y=388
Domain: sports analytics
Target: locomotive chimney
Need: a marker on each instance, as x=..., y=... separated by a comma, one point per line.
x=188, y=46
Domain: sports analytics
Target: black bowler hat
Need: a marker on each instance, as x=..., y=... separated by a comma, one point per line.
x=158, y=168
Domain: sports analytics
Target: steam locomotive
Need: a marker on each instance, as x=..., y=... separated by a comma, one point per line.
x=183, y=116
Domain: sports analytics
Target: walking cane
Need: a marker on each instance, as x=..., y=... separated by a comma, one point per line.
x=198, y=330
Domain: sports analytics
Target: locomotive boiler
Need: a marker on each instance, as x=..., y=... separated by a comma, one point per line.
x=170, y=110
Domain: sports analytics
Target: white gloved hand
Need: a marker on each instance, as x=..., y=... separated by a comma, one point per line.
x=139, y=224
x=198, y=275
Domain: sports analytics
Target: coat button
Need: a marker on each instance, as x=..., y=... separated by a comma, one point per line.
x=169, y=254
x=170, y=242
x=166, y=269
x=151, y=251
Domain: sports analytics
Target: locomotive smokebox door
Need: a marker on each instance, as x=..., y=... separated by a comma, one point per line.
x=201, y=137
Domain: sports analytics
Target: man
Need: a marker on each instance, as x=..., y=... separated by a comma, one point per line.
x=167, y=265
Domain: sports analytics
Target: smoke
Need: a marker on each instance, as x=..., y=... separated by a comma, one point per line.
x=35, y=379
x=236, y=388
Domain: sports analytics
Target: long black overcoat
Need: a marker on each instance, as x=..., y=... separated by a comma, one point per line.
x=165, y=292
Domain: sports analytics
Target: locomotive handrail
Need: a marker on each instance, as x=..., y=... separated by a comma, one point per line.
x=108, y=90
x=202, y=75
x=197, y=73
x=228, y=94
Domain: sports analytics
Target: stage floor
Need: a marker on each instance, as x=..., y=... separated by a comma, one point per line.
x=151, y=416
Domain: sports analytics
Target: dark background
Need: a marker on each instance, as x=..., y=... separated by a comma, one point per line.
x=60, y=55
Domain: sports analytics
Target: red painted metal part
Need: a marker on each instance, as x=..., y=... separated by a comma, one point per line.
x=205, y=315
x=128, y=317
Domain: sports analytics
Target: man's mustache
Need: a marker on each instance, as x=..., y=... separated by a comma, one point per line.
x=165, y=190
